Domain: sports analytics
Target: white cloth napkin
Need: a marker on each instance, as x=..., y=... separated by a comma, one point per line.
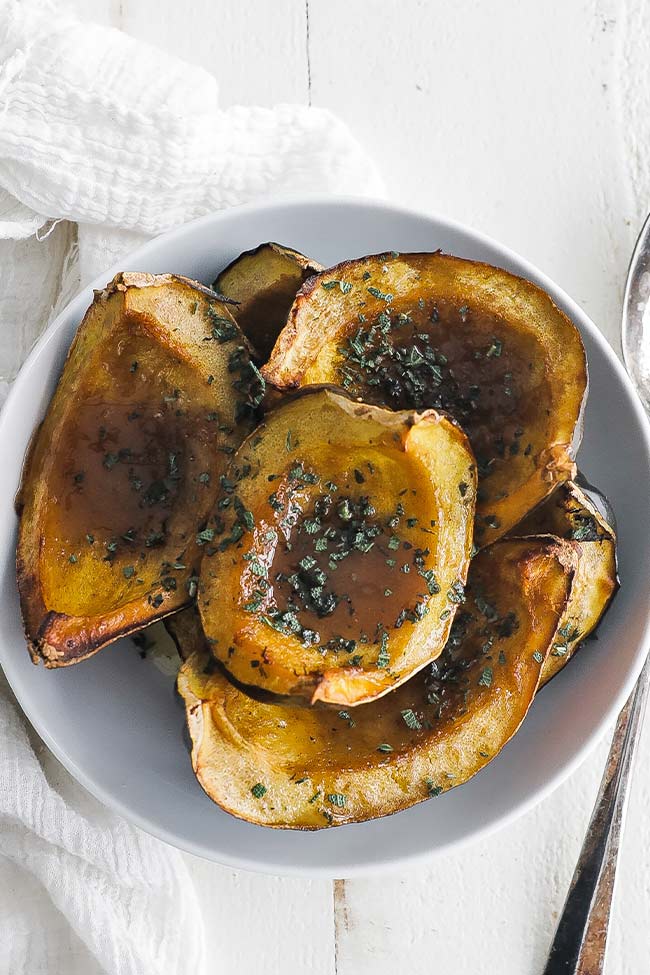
x=125, y=141
x=119, y=142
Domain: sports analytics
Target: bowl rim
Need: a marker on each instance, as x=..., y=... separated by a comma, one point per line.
x=507, y=257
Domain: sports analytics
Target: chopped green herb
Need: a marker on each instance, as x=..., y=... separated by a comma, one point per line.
x=336, y=799
x=457, y=593
x=433, y=790
x=581, y=534
x=223, y=329
x=344, y=510
x=154, y=538
x=411, y=720
x=485, y=680
x=381, y=295
x=204, y=536
x=345, y=716
x=344, y=286
x=383, y=658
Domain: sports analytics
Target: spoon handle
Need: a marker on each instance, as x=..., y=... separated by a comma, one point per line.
x=581, y=936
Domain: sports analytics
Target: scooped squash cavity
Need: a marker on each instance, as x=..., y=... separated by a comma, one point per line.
x=156, y=393
x=279, y=765
x=420, y=331
x=337, y=556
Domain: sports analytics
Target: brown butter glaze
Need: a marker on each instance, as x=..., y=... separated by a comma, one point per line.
x=466, y=363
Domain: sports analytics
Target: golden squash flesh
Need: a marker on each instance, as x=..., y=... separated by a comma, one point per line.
x=278, y=765
x=569, y=513
x=337, y=557
x=264, y=282
x=419, y=331
x=156, y=393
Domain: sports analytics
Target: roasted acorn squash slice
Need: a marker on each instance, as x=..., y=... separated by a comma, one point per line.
x=156, y=392
x=308, y=767
x=419, y=331
x=264, y=282
x=337, y=557
x=570, y=513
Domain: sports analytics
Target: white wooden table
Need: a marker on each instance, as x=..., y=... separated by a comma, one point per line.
x=530, y=121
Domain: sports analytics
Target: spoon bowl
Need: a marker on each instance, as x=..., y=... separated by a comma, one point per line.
x=635, y=327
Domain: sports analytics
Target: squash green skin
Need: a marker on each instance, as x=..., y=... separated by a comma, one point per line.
x=569, y=513
x=291, y=767
x=419, y=463
x=264, y=282
x=492, y=350
x=124, y=469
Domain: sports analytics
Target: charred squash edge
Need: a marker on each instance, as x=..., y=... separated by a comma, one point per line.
x=555, y=464
x=46, y=631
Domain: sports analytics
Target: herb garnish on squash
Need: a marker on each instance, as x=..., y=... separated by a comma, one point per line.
x=156, y=393
x=570, y=513
x=419, y=331
x=323, y=767
x=333, y=570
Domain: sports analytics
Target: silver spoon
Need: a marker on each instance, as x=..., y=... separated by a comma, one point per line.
x=581, y=937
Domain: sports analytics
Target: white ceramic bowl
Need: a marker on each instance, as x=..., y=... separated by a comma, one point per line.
x=115, y=722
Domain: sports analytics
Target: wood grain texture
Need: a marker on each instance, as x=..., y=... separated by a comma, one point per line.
x=342, y=920
x=256, y=50
x=479, y=111
x=22, y=263
x=258, y=53
x=500, y=115
x=491, y=907
x=494, y=906
x=258, y=925
x=515, y=118
x=581, y=939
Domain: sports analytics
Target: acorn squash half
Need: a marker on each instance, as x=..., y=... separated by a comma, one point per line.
x=309, y=767
x=419, y=331
x=337, y=557
x=571, y=513
x=157, y=391
x=264, y=282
